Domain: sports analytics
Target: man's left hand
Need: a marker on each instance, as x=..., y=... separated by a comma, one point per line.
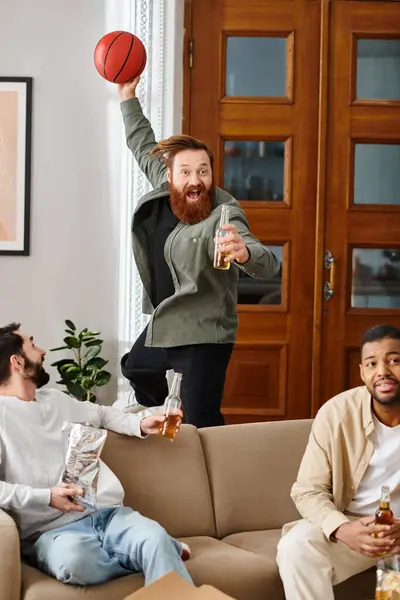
x=392, y=532
x=151, y=425
x=234, y=244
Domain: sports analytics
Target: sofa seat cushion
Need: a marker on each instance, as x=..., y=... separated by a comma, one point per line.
x=235, y=571
x=38, y=586
x=265, y=544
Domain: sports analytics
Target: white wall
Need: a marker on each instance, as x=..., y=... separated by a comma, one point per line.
x=73, y=268
x=173, y=95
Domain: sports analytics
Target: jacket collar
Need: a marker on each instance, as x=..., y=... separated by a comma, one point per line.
x=368, y=421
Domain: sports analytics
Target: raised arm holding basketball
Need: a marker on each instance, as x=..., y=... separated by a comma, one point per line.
x=128, y=90
x=193, y=306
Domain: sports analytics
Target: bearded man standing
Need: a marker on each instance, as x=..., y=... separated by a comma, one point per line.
x=193, y=306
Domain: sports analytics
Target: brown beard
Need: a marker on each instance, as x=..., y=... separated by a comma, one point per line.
x=191, y=212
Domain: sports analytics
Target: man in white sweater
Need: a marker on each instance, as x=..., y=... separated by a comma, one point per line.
x=76, y=545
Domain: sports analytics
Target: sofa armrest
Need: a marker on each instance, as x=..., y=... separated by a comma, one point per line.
x=10, y=559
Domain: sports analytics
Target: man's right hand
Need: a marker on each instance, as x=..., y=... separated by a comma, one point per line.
x=128, y=90
x=61, y=497
x=359, y=536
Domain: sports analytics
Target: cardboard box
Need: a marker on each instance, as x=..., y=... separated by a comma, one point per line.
x=172, y=587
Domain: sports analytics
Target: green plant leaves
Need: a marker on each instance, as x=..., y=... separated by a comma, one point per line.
x=63, y=361
x=75, y=389
x=94, y=364
x=72, y=342
x=87, y=383
x=102, y=378
x=93, y=343
x=83, y=372
x=70, y=372
x=59, y=348
x=91, y=352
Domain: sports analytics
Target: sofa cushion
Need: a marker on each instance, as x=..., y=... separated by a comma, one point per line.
x=265, y=543
x=236, y=572
x=165, y=481
x=252, y=468
x=10, y=565
x=38, y=586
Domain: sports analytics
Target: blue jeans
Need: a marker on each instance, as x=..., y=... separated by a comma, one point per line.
x=104, y=545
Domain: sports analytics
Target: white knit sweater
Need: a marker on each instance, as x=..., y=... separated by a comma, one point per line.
x=32, y=456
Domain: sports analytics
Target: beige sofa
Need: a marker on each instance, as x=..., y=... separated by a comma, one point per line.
x=224, y=490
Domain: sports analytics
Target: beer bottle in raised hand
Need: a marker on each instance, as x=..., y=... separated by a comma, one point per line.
x=172, y=406
x=219, y=256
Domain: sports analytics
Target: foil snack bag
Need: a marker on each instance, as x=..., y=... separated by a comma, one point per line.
x=388, y=578
x=82, y=461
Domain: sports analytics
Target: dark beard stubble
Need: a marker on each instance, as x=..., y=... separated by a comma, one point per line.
x=35, y=372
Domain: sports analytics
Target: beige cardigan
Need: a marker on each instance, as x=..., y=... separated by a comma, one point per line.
x=337, y=455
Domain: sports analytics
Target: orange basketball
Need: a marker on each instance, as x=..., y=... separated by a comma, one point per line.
x=120, y=56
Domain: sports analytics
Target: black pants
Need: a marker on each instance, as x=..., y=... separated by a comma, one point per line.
x=203, y=368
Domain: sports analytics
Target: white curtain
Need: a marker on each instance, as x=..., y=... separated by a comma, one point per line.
x=160, y=27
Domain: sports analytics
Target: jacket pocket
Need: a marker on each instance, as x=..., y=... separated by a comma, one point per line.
x=192, y=255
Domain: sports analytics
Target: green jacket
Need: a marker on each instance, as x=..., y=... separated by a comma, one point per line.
x=203, y=308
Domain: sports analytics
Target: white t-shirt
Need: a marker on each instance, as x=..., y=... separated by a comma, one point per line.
x=383, y=469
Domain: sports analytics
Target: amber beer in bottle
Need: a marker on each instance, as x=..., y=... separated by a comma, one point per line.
x=172, y=406
x=219, y=256
x=384, y=515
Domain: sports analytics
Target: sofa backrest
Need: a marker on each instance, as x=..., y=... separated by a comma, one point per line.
x=251, y=468
x=165, y=481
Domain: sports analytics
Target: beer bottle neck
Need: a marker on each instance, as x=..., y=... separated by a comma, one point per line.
x=385, y=496
x=224, y=220
x=176, y=386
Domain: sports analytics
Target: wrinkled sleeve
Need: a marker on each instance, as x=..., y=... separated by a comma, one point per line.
x=312, y=491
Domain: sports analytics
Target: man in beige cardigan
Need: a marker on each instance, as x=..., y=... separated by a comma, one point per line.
x=352, y=452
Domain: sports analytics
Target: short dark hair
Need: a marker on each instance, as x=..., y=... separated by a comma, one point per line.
x=380, y=332
x=10, y=343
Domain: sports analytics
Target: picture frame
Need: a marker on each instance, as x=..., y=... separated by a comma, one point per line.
x=15, y=164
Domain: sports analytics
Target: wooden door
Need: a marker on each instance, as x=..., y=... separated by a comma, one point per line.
x=362, y=211
x=252, y=95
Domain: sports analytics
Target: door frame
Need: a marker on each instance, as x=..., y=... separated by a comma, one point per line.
x=323, y=107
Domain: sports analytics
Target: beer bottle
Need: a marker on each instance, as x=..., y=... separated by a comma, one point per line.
x=384, y=515
x=219, y=257
x=172, y=406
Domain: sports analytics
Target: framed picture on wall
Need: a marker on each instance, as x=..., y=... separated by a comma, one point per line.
x=15, y=164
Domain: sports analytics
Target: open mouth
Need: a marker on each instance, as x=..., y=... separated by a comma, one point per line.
x=386, y=385
x=193, y=195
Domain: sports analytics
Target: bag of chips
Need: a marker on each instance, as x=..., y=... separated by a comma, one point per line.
x=82, y=461
x=388, y=578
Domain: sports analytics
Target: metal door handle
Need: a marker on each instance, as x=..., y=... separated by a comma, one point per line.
x=329, y=265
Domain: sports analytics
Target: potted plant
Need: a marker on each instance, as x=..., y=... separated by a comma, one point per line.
x=84, y=371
